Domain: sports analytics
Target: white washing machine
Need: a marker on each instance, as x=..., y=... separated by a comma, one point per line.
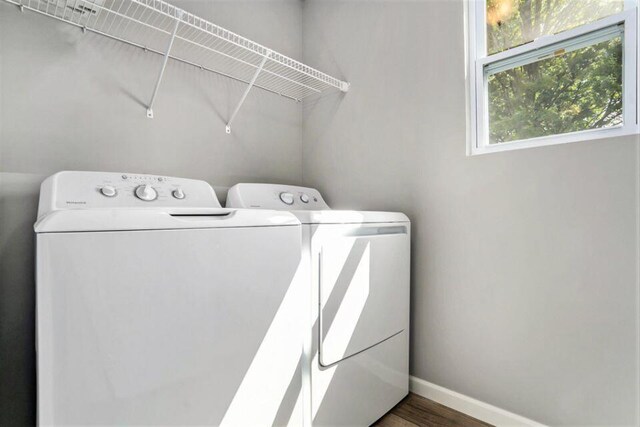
x=356, y=267
x=155, y=306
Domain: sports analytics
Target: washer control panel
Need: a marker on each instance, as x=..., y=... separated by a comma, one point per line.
x=84, y=190
x=274, y=196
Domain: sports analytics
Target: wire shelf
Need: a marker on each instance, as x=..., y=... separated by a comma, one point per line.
x=160, y=27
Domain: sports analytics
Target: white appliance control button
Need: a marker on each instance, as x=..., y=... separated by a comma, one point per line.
x=146, y=193
x=286, y=198
x=109, y=191
x=178, y=193
x=304, y=198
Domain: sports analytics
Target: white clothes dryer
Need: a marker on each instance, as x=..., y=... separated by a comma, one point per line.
x=356, y=266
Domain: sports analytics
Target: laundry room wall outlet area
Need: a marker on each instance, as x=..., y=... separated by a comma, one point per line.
x=319, y=213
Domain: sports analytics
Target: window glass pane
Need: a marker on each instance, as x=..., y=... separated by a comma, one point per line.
x=571, y=91
x=514, y=22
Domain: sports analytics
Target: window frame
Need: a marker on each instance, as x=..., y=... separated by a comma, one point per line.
x=477, y=85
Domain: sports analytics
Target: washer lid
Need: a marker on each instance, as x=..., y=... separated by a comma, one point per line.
x=81, y=220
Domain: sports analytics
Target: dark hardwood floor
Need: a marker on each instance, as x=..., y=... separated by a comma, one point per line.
x=415, y=411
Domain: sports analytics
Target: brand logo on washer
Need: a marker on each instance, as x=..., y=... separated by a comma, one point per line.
x=75, y=202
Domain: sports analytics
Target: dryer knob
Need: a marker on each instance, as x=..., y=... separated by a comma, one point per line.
x=287, y=198
x=146, y=193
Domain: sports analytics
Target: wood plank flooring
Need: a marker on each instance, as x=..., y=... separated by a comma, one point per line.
x=416, y=411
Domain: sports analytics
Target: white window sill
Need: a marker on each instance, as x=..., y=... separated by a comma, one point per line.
x=587, y=135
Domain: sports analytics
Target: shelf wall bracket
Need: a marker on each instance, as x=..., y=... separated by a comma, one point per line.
x=247, y=90
x=164, y=64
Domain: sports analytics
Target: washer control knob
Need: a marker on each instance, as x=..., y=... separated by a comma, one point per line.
x=287, y=198
x=178, y=193
x=304, y=198
x=109, y=191
x=146, y=192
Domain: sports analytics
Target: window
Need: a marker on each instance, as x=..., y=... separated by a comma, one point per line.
x=546, y=72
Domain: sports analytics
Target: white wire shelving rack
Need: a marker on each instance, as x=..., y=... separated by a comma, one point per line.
x=167, y=30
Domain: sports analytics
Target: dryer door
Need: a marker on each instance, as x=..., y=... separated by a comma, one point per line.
x=363, y=285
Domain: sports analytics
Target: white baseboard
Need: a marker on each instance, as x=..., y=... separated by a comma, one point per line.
x=468, y=405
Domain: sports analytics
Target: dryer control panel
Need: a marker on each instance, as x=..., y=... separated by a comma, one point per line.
x=89, y=190
x=275, y=196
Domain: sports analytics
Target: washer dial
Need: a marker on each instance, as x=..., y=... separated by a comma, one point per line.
x=146, y=192
x=109, y=191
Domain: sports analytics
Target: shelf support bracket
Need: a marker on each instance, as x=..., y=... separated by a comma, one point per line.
x=247, y=90
x=164, y=64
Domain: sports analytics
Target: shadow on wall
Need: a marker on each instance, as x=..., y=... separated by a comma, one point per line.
x=18, y=207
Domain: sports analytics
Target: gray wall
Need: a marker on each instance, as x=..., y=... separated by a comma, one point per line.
x=525, y=283
x=72, y=101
